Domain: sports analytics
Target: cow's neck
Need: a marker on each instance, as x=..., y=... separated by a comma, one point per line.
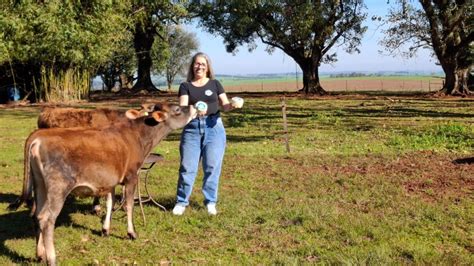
x=150, y=136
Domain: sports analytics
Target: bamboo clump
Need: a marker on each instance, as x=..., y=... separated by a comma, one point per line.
x=64, y=85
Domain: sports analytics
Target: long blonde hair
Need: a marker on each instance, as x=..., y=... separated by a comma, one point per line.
x=210, y=71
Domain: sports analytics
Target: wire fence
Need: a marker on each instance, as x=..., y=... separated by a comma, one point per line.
x=349, y=85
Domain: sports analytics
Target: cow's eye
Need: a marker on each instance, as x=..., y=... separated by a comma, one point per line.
x=177, y=110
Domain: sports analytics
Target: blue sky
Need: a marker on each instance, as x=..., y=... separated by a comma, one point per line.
x=259, y=61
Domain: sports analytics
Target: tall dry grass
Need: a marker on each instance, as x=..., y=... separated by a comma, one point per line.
x=64, y=85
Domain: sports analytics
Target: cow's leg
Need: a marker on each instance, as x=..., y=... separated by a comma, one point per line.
x=49, y=196
x=46, y=225
x=96, y=206
x=39, y=205
x=47, y=219
x=129, y=202
x=108, y=215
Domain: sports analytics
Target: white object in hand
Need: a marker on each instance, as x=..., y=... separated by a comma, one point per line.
x=237, y=102
x=201, y=106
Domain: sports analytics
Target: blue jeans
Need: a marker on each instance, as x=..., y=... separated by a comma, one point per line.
x=203, y=139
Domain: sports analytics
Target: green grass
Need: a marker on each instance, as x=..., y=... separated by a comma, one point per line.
x=368, y=181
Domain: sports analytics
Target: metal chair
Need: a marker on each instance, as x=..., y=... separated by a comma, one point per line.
x=143, y=173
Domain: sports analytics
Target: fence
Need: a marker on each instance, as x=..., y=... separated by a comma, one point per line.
x=413, y=85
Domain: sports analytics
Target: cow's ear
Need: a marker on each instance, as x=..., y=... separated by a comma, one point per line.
x=159, y=116
x=133, y=114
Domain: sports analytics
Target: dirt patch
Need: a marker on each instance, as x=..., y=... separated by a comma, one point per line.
x=439, y=175
x=428, y=175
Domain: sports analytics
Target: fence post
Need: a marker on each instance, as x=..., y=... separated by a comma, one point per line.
x=285, y=124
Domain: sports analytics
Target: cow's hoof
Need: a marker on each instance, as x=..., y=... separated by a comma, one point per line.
x=105, y=232
x=132, y=236
x=96, y=210
x=40, y=259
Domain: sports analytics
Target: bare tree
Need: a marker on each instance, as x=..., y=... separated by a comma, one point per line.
x=181, y=45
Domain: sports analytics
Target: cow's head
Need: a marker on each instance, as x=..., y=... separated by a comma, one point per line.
x=172, y=115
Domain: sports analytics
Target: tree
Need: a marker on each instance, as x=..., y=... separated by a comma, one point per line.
x=170, y=58
x=119, y=68
x=51, y=48
x=181, y=45
x=151, y=17
x=305, y=30
x=160, y=54
x=445, y=27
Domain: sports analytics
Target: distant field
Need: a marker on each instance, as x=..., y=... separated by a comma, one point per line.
x=386, y=83
x=366, y=83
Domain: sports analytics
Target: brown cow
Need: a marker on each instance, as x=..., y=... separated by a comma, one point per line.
x=52, y=117
x=72, y=117
x=87, y=161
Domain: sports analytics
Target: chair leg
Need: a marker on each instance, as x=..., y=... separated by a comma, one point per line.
x=140, y=200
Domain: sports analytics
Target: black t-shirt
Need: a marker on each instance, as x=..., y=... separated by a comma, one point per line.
x=208, y=93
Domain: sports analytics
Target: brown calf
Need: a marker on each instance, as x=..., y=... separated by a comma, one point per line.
x=85, y=161
x=52, y=117
x=71, y=117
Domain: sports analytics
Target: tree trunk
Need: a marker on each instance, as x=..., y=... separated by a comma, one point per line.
x=126, y=81
x=311, y=83
x=169, y=78
x=143, y=41
x=108, y=82
x=169, y=82
x=456, y=81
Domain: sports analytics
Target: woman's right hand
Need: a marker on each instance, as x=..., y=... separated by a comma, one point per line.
x=201, y=108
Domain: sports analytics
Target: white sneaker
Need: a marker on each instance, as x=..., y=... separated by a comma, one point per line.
x=179, y=209
x=211, y=209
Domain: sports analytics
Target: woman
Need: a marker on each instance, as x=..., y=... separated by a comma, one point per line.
x=204, y=138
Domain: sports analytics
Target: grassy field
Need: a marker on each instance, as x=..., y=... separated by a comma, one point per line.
x=370, y=179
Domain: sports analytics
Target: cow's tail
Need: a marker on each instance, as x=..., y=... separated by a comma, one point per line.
x=27, y=191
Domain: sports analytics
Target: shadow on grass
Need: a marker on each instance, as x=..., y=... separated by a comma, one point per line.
x=169, y=202
x=19, y=225
x=401, y=112
x=7, y=198
x=467, y=160
x=230, y=138
x=15, y=225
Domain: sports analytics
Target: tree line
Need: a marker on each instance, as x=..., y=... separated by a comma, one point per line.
x=52, y=49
